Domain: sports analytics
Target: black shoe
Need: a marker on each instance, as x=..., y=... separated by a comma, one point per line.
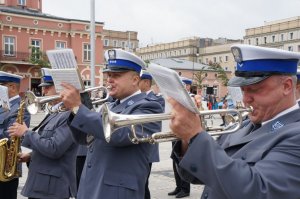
x=173, y=193
x=182, y=194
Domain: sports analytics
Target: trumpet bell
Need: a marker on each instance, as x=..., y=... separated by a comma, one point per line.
x=112, y=121
x=107, y=120
x=32, y=105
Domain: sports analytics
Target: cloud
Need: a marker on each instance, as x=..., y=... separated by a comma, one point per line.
x=169, y=20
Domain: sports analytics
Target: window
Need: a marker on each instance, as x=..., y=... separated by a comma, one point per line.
x=291, y=35
x=9, y=46
x=215, y=59
x=216, y=90
x=106, y=42
x=256, y=41
x=60, y=44
x=129, y=45
x=123, y=44
x=249, y=41
x=226, y=58
x=290, y=48
x=36, y=47
x=86, y=52
x=273, y=38
x=220, y=59
x=87, y=83
x=115, y=43
x=265, y=40
x=282, y=37
x=298, y=48
x=22, y=2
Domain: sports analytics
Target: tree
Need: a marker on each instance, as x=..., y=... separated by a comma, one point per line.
x=199, y=77
x=221, y=73
x=37, y=57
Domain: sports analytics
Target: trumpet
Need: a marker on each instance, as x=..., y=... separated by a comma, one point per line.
x=35, y=104
x=112, y=121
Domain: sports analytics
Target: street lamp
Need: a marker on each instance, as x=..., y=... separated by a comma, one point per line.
x=194, y=55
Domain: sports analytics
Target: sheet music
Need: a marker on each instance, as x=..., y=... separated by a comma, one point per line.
x=170, y=85
x=64, y=68
x=4, y=99
x=62, y=58
x=236, y=95
x=70, y=76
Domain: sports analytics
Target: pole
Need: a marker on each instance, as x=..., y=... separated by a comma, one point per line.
x=92, y=42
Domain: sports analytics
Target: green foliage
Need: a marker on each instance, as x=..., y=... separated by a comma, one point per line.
x=37, y=57
x=221, y=73
x=199, y=77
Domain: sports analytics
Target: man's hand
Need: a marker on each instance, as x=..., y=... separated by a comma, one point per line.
x=24, y=157
x=184, y=123
x=70, y=96
x=17, y=129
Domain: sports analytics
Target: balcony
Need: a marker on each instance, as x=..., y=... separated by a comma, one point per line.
x=14, y=56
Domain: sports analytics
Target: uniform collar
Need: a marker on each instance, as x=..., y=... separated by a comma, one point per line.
x=13, y=98
x=149, y=91
x=126, y=98
x=286, y=111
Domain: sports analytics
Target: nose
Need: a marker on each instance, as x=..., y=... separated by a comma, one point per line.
x=247, y=98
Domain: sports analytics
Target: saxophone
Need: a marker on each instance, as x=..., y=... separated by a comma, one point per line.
x=9, y=151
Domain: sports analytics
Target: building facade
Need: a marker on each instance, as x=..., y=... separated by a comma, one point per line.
x=211, y=84
x=127, y=40
x=186, y=49
x=283, y=34
x=219, y=54
x=199, y=50
x=25, y=29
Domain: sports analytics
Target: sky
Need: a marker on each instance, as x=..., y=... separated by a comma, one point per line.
x=160, y=21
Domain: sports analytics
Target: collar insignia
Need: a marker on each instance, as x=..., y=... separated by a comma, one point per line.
x=129, y=103
x=277, y=125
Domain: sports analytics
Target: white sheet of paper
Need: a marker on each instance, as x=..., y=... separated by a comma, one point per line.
x=62, y=58
x=70, y=76
x=170, y=85
x=236, y=95
x=64, y=68
x=4, y=99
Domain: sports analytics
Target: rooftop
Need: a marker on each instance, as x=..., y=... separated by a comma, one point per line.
x=181, y=64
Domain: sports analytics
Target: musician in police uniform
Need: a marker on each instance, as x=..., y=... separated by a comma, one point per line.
x=117, y=169
x=261, y=160
x=8, y=190
x=298, y=87
x=53, y=158
x=145, y=86
x=182, y=186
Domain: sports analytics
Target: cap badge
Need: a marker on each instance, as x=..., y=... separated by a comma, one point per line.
x=112, y=54
x=237, y=54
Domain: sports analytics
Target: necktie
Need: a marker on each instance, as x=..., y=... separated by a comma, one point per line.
x=116, y=103
x=40, y=124
x=255, y=127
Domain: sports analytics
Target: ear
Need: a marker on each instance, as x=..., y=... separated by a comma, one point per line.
x=288, y=86
x=136, y=79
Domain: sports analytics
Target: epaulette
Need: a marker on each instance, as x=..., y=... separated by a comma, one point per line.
x=149, y=98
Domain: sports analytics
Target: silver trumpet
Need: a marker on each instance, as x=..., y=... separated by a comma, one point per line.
x=112, y=121
x=35, y=104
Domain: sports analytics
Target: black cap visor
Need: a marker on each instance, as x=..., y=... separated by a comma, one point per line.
x=245, y=81
x=45, y=84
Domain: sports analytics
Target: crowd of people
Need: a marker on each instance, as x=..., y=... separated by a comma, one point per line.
x=260, y=160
